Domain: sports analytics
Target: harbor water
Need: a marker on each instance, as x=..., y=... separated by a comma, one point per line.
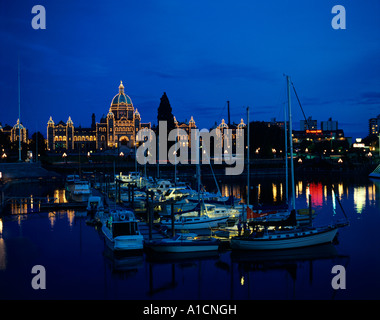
x=78, y=265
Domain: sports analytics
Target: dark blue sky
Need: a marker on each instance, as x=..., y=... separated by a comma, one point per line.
x=201, y=53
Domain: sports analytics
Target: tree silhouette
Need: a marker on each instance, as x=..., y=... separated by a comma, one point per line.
x=165, y=113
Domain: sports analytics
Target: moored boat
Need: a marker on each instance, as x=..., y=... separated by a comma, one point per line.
x=286, y=239
x=375, y=173
x=80, y=191
x=183, y=242
x=121, y=231
x=194, y=222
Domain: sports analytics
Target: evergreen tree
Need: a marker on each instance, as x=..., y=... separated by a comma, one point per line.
x=165, y=113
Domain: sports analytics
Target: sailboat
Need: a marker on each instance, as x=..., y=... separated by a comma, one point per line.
x=196, y=219
x=287, y=238
x=375, y=173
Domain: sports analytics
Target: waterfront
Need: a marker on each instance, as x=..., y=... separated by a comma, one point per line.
x=78, y=265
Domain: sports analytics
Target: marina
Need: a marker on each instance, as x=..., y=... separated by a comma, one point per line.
x=163, y=268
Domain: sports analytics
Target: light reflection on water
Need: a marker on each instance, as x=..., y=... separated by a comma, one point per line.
x=322, y=194
x=80, y=266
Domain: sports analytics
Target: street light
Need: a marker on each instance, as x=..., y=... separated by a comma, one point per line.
x=64, y=156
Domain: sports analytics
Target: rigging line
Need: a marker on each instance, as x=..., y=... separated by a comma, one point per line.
x=299, y=102
x=340, y=205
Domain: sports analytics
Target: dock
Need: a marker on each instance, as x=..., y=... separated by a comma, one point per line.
x=63, y=206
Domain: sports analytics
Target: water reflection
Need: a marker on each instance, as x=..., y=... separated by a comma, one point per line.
x=3, y=251
x=322, y=193
x=3, y=254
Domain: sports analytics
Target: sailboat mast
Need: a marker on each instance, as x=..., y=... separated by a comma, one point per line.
x=286, y=156
x=291, y=144
x=198, y=167
x=248, y=186
x=231, y=195
x=19, y=112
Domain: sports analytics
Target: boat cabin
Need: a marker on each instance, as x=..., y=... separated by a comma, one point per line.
x=122, y=223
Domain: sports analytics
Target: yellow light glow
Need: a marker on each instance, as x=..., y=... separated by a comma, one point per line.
x=274, y=192
x=359, y=198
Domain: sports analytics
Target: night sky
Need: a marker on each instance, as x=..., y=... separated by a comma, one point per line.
x=201, y=53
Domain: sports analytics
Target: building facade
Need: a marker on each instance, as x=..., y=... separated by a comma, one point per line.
x=374, y=125
x=329, y=125
x=15, y=131
x=119, y=127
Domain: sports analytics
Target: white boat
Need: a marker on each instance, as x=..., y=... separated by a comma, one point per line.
x=95, y=202
x=70, y=180
x=375, y=173
x=95, y=208
x=289, y=239
x=80, y=191
x=134, y=177
x=194, y=222
x=121, y=231
x=184, y=242
x=174, y=193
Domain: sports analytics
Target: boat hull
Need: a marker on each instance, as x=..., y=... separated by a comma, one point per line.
x=195, y=225
x=177, y=248
x=81, y=197
x=123, y=243
x=299, y=241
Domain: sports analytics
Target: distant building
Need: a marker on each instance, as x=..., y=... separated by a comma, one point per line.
x=119, y=127
x=374, y=125
x=220, y=132
x=329, y=125
x=14, y=132
x=308, y=124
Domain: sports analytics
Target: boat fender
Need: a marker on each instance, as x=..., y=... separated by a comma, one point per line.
x=122, y=216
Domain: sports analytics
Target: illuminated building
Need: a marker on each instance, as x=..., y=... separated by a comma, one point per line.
x=308, y=124
x=374, y=125
x=14, y=132
x=119, y=127
x=187, y=126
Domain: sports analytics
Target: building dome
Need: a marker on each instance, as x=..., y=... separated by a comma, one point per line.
x=121, y=97
x=18, y=125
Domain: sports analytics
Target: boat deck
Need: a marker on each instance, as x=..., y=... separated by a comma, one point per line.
x=143, y=226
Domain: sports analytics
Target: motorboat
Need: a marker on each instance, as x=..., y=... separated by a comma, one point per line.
x=134, y=177
x=121, y=231
x=194, y=222
x=184, y=242
x=70, y=180
x=214, y=198
x=175, y=194
x=80, y=191
x=95, y=208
